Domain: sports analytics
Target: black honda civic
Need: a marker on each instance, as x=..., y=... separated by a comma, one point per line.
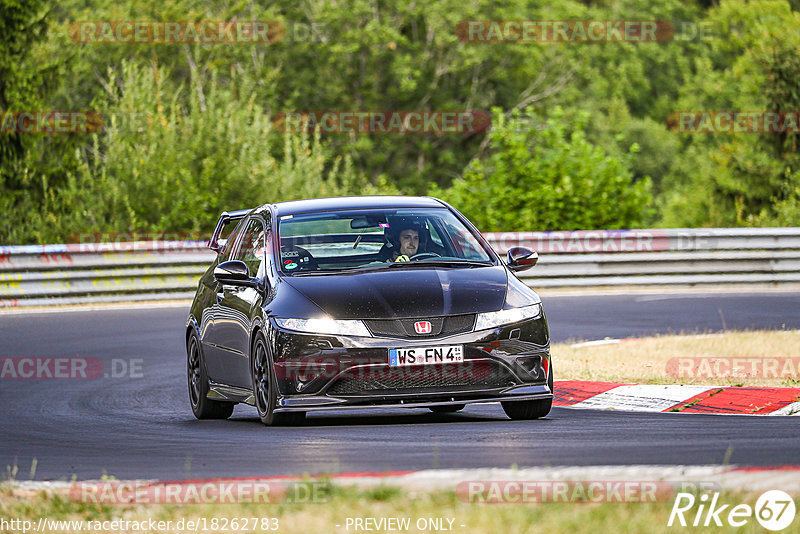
x=363, y=302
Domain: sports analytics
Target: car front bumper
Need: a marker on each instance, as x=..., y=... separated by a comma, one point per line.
x=321, y=372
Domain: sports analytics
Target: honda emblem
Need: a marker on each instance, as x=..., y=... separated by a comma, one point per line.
x=422, y=327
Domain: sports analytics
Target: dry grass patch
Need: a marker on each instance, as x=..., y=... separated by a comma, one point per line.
x=754, y=358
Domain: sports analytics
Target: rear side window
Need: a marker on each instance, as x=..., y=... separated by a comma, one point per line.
x=251, y=247
x=230, y=233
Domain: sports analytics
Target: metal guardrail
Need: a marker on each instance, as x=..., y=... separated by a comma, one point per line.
x=38, y=275
x=709, y=256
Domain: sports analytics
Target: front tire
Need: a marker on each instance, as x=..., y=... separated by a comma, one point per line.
x=533, y=409
x=202, y=406
x=265, y=389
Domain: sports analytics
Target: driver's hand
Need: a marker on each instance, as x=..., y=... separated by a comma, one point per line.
x=402, y=257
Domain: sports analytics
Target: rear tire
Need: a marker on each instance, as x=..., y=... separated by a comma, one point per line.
x=202, y=406
x=265, y=389
x=448, y=408
x=533, y=409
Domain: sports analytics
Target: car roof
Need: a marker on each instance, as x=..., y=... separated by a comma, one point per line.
x=295, y=207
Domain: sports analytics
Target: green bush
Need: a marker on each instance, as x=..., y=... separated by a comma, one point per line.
x=549, y=177
x=171, y=159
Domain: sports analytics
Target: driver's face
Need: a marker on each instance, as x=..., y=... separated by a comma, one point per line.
x=409, y=242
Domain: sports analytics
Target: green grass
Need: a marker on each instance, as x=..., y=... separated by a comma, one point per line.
x=381, y=501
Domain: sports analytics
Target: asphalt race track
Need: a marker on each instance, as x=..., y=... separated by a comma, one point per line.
x=142, y=427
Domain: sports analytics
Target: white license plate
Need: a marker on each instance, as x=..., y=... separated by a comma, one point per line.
x=426, y=355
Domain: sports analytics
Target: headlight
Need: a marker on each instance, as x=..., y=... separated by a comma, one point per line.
x=325, y=326
x=514, y=315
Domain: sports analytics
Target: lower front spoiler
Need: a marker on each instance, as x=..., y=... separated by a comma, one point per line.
x=411, y=400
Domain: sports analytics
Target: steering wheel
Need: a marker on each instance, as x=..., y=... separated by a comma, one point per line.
x=424, y=255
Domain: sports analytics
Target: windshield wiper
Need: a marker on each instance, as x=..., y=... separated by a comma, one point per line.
x=319, y=272
x=396, y=265
x=437, y=263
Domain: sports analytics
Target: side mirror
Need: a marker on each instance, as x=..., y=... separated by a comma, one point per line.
x=234, y=273
x=521, y=259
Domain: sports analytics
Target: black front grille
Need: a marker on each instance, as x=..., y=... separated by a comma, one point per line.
x=469, y=374
x=440, y=326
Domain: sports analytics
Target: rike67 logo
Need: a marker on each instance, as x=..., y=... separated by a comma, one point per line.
x=774, y=510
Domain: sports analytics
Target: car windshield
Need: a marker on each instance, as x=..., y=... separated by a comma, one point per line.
x=338, y=241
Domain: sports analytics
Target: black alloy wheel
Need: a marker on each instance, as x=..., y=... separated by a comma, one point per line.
x=265, y=390
x=202, y=406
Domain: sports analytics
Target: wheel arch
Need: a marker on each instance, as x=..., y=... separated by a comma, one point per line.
x=191, y=326
x=259, y=324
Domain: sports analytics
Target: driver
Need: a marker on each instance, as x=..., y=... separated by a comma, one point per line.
x=409, y=244
x=407, y=238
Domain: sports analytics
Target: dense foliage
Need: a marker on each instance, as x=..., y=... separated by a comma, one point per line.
x=549, y=178
x=580, y=135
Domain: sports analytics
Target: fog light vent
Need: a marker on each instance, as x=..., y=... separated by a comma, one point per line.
x=531, y=365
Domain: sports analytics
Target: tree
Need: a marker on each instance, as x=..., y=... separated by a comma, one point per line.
x=543, y=174
x=173, y=158
x=32, y=167
x=22, y=23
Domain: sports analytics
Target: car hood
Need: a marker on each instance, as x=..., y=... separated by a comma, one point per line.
x=402, y=293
